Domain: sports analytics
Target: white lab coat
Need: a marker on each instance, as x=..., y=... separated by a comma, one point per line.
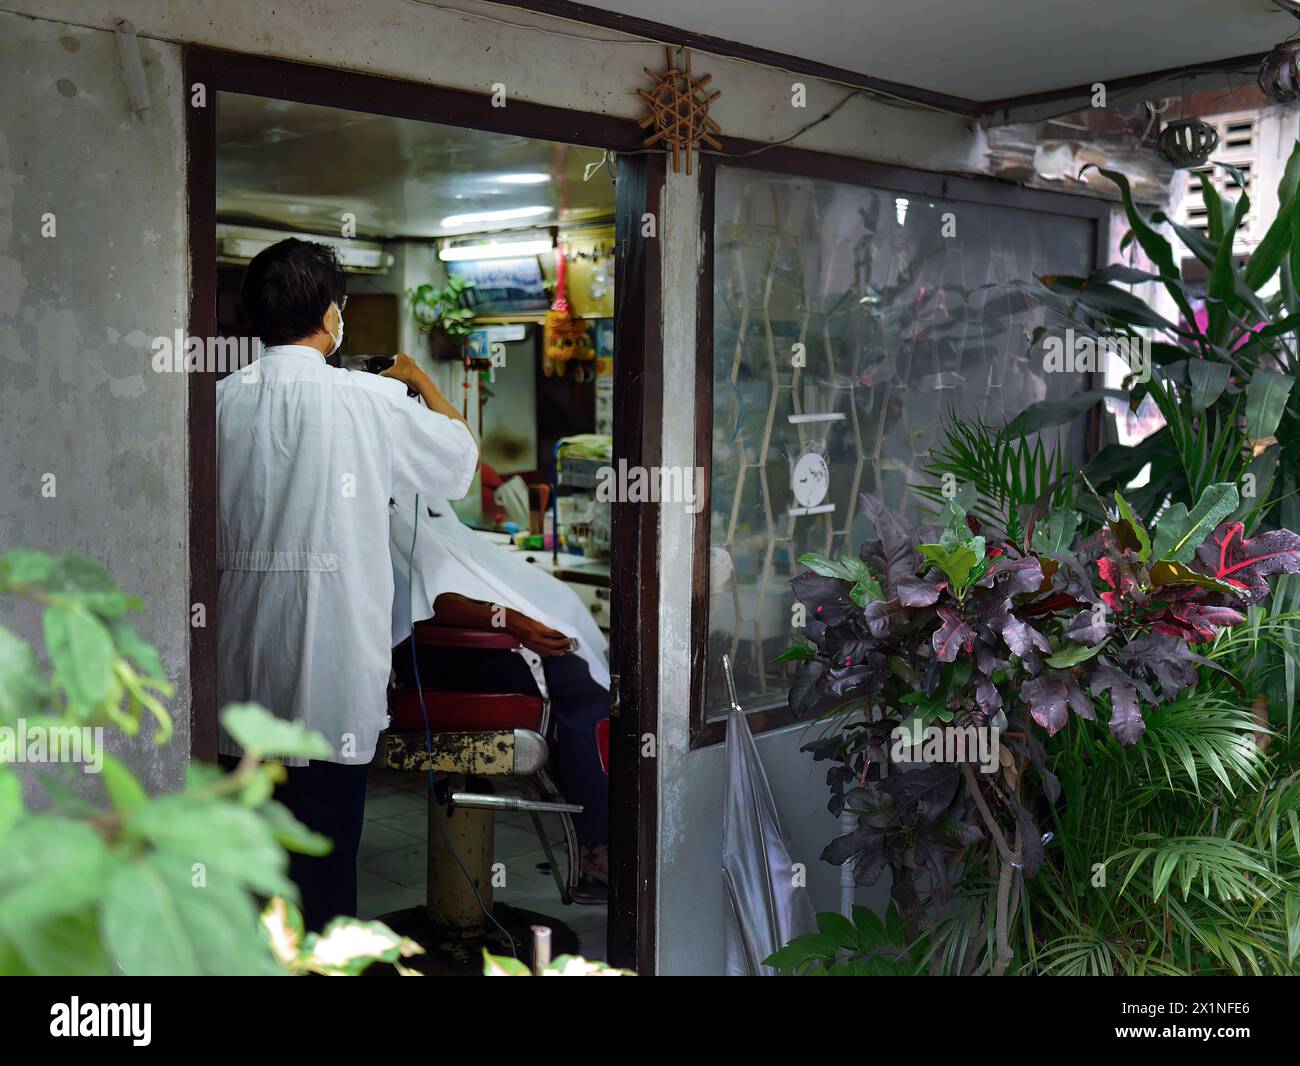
x=308, y=457
x=451, y=557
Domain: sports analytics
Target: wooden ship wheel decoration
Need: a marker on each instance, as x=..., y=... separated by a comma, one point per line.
x=679, y=109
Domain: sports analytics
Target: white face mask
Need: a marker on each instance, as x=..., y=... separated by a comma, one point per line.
x=338, y=341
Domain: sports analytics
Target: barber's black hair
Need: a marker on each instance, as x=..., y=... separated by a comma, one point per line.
x=288, y=287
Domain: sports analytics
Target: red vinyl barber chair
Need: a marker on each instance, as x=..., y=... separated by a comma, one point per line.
x=481, y=735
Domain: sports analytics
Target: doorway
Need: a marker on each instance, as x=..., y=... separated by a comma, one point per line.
x=415, y=187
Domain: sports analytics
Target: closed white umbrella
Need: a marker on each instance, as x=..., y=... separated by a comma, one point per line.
x=765, y=908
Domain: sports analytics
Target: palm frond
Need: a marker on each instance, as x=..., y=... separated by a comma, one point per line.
x=1006, y=474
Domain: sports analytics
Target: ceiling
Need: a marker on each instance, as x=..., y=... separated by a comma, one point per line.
x=300, y=166
x=983, y=50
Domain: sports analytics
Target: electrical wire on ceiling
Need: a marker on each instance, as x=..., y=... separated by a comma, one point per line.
x=786, y=140
x=607, y=157
x=880, y=95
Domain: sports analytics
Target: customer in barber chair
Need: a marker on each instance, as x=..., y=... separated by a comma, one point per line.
x=445, y=570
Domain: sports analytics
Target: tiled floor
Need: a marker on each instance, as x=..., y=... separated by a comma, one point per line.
x=392, y=859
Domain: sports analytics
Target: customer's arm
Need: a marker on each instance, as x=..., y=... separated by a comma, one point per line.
x=451, y=609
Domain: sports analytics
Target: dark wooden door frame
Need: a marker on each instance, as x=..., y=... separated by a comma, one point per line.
x=798, y=162
x=637, y=414
x=634, y=637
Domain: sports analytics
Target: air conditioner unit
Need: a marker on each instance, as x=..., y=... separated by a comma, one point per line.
x=238, y=244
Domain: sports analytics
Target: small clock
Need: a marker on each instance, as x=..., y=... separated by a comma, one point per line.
x=810, y=479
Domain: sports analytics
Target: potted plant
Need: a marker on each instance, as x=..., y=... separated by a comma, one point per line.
x=953, y=629
x=441, y=313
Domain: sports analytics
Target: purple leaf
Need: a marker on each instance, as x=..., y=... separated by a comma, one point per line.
x=869, y=676
x=1168, y=659
x=1246, y=564
x=987, y=695
x=1046, y=698
x=1086, y=629
x=915, y=591
x=881, y=616
x=986, y=658
x=1019, y=576
x=898, y=548
x=1033, y=852
x=997, y=619
x=1126, y=724
x=1022, y=638
x=928, y=791
x=1075, y=579
x=932, y=676
x=803, y=693
x=1049, y=697
x=828, y=597
x=952, y=636
x=1197, y=622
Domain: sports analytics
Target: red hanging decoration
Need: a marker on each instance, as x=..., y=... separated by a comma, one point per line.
x=567, y=335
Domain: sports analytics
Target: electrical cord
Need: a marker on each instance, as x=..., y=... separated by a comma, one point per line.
x=428, y=743
x=786, y=140
x=608, y=156
x=882, y=95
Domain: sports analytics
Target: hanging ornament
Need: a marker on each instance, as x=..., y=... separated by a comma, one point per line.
x=1279, y=73
x=679, y=110
x=1187, y=142
x=566, y=334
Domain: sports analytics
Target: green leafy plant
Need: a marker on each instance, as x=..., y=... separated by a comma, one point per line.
x=443, y=308
x=862, y=947
x=1006, y=472
x=130, y=883
x=1223, y=374
x=1222, y=377
x=1181, y=855
x=980, y=631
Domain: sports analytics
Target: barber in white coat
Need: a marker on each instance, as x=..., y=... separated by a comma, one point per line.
x=308, y=457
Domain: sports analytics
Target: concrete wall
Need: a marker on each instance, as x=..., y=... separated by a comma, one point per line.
x=589, y=68
x=78, y=399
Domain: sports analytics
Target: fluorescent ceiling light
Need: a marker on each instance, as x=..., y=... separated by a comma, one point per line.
x=495, y=250
x=523, y=179
x=509, y=215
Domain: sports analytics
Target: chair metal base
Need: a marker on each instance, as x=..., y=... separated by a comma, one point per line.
x=454, y=952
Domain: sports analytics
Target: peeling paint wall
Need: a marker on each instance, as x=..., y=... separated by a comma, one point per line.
x=80, y=403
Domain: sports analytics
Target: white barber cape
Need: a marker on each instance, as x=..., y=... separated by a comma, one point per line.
x=308, y=457
x=451, y=557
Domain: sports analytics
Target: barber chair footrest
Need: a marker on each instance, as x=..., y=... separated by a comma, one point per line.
x=499, y=753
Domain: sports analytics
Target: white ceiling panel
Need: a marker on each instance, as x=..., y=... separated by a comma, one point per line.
x=983, y=50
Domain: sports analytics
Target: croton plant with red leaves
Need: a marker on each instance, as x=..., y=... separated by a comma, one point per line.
x=952, y=622
x=960, y=614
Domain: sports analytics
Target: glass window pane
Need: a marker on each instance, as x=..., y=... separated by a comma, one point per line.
x=847, y=321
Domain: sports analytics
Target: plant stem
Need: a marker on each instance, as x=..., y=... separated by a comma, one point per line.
x=1010, y=861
